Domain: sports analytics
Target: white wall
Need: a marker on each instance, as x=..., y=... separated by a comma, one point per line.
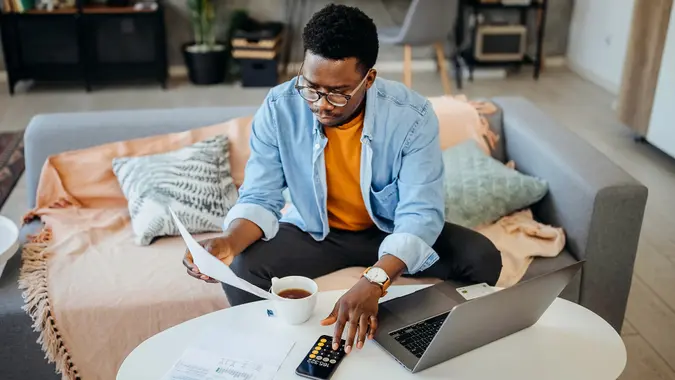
x=598, y=40
x=661, y=132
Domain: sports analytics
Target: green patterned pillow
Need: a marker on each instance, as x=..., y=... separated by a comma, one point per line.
x=480, y=190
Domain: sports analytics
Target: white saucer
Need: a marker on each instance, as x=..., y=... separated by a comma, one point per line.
x=9, y=241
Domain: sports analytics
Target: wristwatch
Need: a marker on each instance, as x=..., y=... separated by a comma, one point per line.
x=377, y=276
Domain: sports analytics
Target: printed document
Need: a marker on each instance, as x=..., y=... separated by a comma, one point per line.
x=227, y=354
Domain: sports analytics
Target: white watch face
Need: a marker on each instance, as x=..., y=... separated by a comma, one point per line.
x=377, y=275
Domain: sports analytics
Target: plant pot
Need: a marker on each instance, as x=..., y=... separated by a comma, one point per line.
x=206, y=66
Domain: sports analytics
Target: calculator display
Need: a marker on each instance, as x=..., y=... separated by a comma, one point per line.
x=321, y=360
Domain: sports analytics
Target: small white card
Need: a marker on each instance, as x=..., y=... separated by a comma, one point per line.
x=474, y=291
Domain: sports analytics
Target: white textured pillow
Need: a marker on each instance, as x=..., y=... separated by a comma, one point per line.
x=194, y=181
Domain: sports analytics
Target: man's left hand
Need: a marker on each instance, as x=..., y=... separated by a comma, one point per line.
x=355, y=311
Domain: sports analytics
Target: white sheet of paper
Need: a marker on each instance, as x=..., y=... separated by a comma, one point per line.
x=245, y=345
x=214, y=268
x=196, y=364
x=228, y=354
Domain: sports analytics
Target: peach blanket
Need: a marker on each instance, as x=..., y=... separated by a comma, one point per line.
x=94, y=295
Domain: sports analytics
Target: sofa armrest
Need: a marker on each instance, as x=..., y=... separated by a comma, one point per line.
x=49, y=134
x=598, y=204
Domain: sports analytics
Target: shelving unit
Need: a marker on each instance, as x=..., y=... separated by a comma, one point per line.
x=89, y=44
x=475, y=7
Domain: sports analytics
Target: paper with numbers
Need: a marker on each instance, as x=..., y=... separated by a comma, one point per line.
x=230, y=354
x=196, y=364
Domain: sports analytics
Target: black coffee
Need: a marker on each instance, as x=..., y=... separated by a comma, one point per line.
x=294, y=293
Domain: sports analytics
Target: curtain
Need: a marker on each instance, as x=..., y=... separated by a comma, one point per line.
x=643, y=62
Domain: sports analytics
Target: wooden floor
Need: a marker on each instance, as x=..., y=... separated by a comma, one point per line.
x=586, y=109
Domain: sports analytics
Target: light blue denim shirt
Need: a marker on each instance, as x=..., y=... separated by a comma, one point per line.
x=401, y=170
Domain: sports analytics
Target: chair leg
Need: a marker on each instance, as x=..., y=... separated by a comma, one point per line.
x=407, y=65
x=440, y=57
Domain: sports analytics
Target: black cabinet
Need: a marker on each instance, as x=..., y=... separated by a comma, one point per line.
x=87, y=44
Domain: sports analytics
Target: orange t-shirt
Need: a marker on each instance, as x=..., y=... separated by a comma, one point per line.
x=346, y=209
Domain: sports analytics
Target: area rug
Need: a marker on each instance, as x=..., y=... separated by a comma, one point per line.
x=11, y=162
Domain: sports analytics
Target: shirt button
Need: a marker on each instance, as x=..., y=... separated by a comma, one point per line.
x=316, y=146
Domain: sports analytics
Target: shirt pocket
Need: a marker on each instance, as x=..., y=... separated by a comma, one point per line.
x=384, y=202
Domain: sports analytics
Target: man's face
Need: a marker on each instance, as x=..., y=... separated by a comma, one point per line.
x=337, y=77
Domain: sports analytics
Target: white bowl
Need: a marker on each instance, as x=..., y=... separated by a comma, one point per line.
x=9, y=241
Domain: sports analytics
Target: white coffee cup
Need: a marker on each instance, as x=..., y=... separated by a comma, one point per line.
x=294, y=311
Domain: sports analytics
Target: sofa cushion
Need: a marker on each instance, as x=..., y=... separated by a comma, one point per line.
x=194, y=181
x=50, y=134
x=16, y=327
x=479, y=189
x=85, y=177
x=19, y=350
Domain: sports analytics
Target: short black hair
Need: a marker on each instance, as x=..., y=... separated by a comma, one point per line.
x=339, y=32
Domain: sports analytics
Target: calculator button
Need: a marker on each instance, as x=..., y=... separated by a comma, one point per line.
x=322, y=340
x=321, y=344
x=326, y=360
x=319, y=357
x=333, y=361
x=312, y=356
x=315, y=352
x=317, y=348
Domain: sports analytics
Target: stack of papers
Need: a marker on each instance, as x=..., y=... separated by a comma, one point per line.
x=225, y=354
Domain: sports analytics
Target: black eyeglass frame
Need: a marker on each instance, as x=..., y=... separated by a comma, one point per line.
x=321, y=94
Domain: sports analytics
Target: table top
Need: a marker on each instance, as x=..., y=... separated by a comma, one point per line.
x=9, y=239
x=568, y=342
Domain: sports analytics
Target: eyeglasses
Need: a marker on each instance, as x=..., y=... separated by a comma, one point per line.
x=338, y=100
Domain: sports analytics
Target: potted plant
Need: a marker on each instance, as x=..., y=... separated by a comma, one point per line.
x=205, y=58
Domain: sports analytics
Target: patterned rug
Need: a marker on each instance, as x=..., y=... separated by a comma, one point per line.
x=11, y=162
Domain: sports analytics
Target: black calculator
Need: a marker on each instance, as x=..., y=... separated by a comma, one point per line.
x=321, y=361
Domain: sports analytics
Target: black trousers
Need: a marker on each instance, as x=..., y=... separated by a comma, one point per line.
x=465, y=255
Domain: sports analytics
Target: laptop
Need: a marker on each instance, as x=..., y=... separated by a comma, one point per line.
x=435, y=324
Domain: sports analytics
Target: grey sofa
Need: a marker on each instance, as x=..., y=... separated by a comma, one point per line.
x=599, y=205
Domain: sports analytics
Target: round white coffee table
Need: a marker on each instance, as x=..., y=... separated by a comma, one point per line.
x=9, y=241
x=568, y=342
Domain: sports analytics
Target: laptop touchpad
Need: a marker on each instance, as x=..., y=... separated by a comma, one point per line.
x=420, y=305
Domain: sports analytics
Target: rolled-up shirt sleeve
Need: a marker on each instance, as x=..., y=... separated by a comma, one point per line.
x=260, y=196
x=420, y=213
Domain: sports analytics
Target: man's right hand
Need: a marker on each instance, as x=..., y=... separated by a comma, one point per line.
x=220, y=247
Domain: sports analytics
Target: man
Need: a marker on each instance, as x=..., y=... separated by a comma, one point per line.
x=361, y=159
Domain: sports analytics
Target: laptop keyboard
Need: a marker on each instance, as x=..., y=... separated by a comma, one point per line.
x=416, y=338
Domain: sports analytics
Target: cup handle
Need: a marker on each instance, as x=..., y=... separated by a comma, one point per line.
x=270, y=310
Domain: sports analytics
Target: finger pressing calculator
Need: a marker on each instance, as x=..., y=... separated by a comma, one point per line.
x=321, y=361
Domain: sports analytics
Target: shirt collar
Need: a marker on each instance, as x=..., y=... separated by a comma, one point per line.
x=371, y=107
